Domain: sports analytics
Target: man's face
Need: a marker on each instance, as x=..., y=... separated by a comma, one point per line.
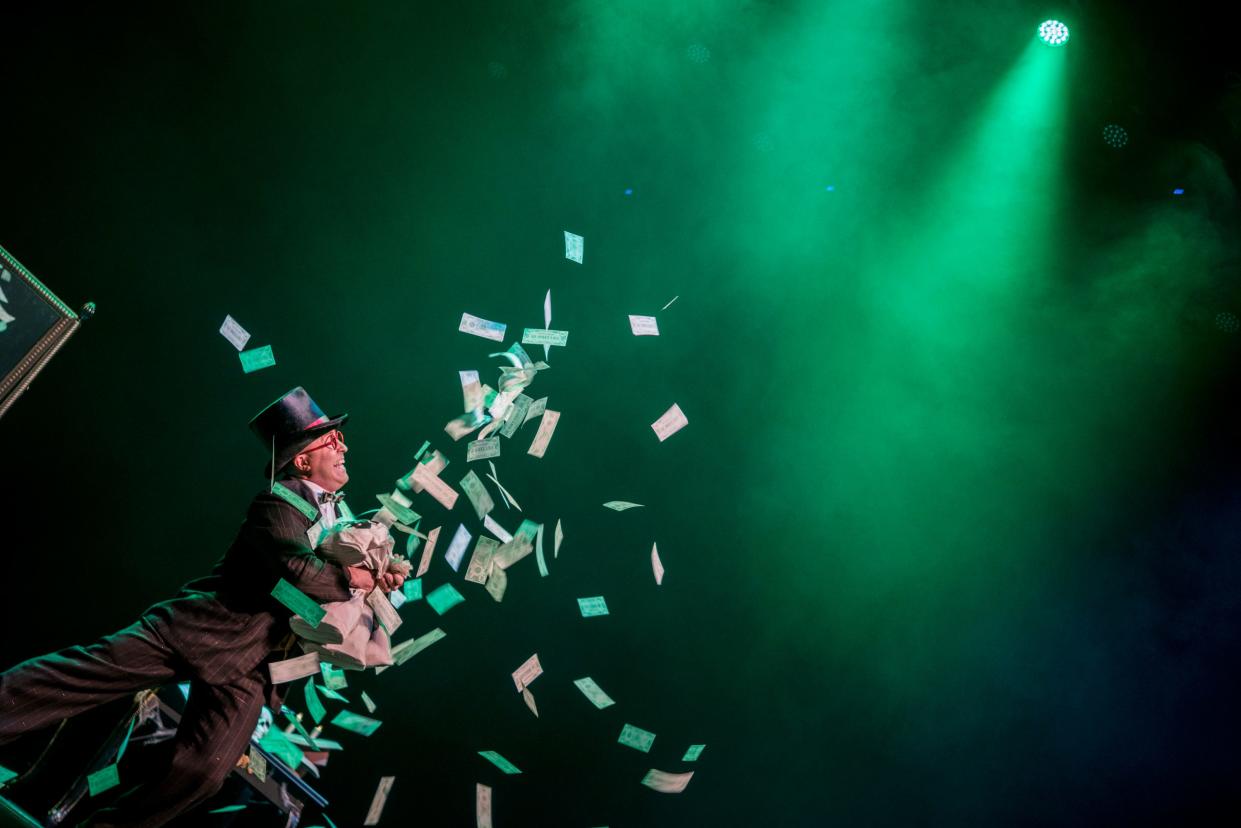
x=323, y=461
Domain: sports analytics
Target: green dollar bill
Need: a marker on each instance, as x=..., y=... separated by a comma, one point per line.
x=6, y=775
x=693, y=753
x=593, y=692
x=444, y=598
x=313, y=706
x=412, y=589
x=102, y=780
x=333, y=677
x=499, y=761
x=366, y=700
x=227, y=809
x=636, y=738
x=591, y=607
x=277, y=744
x=299, y=602
x=257, y=359
x=356, y=723
x=621, y=505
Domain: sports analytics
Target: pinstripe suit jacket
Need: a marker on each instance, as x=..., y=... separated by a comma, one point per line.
x=226, y=624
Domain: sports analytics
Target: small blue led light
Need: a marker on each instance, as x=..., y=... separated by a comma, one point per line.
x=629, y=191
x=831, y=188
x=1179, y=191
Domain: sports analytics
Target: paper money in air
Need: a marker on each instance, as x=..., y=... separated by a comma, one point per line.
x=434, y=486
x=527, y=672
x=593, y=692
x=559, y=539
x=592, y=607
x=528, y=698
x=643, y=325
x=444, y=598
x=480, y=562
x=234, y=333
x=621, y=505
x=499, y=761
x=406, y=650
x=497, y=584
x=693, y=753
x=482, y=449
x=481, y=327
x=427, y=551
x=292, y=669
x=378, y=800
x=574, y=246
x=369, y=702
x=482, y=805
x=257, y=359
x=670, y=423
x=457, y=547
x=356, y=723
x=665, y=782
x=543, y=336
x=657, y=566
x=636, y=738
x=479, y=497
x=544, y=436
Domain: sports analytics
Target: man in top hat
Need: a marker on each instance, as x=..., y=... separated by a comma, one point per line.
x=219, y=633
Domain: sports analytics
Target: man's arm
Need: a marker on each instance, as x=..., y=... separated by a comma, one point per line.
x=279, y=531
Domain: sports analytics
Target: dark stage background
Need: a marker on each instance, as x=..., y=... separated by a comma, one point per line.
x=952, y=534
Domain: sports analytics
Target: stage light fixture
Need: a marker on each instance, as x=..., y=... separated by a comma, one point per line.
x=1053, y=32
x=1114, y=136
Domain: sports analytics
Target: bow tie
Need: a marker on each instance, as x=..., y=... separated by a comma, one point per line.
x=331, y=497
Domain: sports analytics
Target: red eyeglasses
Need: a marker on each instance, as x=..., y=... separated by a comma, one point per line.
x=335, y=441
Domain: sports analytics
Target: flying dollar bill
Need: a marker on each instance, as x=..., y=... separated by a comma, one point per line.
x=292, y=669
x=516, y=416
x=480, y=562
x=482, y=805
x=482, y=327
x=670, y=423
x=499, y=761
x=385, y=613
x=479, y=497
x=234, y=333
x=536, y=409
x=457, y=547
x=592, y=607
x=497, y=584
x=657, y=566
x=528, y=698
x=313, y=706
x=538, y=553
x=427, y=551
x=299, y=602
x=412, y=589
x=544, y=436
x=559, y=539
x=434, y=486
x=636, y=738
x=378, y=800
x=467, y=423
x=693, y=753
x=621, y=505
x=444, y=598
x=574, y=246
x=593, y=692
x=496, y=529
x=643, y=325
x=542, y=336
x=665, y=782
x=363, y=725
x=519, y=547
x=482, y=449
x=257, y=359
x=527, y=672
x=406, y=650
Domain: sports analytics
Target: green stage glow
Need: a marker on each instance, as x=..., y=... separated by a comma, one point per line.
x=1053, y=32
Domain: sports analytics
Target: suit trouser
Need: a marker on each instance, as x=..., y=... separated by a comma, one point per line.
x=214, y=731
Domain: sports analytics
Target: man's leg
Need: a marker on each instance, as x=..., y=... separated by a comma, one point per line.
x=212, y=736
x=44, y=690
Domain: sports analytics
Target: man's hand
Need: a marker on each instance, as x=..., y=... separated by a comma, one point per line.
x=360, y=578
x=390, y=581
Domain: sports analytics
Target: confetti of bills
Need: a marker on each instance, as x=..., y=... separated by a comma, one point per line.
x=519, y=547
x=480, y=562
x=643, y=325
x=356, y=723
x=234, y=333
x=544, y=436
x=457, y=547
x=299, y=602
x=434, y=486
x=444, y=598
x=559, y=539
x=543, y=336
x=482, y=327
x=257, y=359
x=406, y=650
x=292, y=669
x=527, y=672
x=536, y=409
x=636, y=738
x=693, y=753
x=665, y=782
x=670, y=423
x=313, y=706
x=379, y=799
x=592, y=607
x=482, y=449
x=479, y=497
x=516, y=416
x=621, y=505
x=657, y=566
x=499, y=761
x=528, y=698
x=496, y=529
x=574, y=246
x=433, y=463
x=482, y=805
x=497, y=584
x=427, y=552
x=593, y=692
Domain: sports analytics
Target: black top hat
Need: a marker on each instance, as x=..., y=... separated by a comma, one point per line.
x=290, y=424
